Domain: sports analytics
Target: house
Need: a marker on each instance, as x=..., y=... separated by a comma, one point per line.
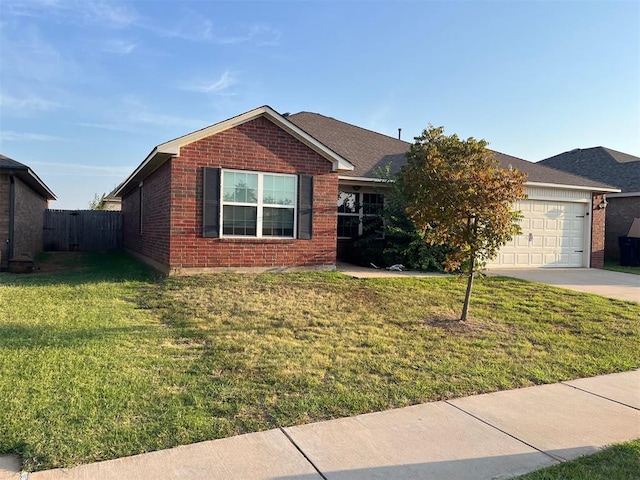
x=615, y=168
x=111, y=202
x=563, y=222
x=23, y=200
x=263, y=190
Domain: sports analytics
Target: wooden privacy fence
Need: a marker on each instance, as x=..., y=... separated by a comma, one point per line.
x=82, y=230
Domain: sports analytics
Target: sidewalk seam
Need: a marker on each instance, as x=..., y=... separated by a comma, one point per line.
x=302, y=453
x=598, y=395
x=558, y=459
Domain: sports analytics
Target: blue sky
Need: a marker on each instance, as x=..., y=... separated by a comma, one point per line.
x=89, y=87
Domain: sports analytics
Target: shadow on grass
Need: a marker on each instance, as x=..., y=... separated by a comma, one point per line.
x=80, y=268
x=19, y=337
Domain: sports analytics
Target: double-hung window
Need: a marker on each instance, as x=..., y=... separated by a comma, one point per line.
x=256, y=204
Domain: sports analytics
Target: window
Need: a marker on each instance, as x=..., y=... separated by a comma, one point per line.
x=258, y=204
x=358, y=212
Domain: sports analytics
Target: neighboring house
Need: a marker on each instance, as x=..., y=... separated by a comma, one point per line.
x=23, y=200
x=614, y=168
x=111, y=202
x=264, y=190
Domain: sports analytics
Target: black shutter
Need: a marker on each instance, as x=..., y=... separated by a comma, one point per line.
x=305, y=207
x=211, y=202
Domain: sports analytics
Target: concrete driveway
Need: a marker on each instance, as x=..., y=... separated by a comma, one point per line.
x=622, y=286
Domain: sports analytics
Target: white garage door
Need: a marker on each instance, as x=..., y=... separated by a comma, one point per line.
x=552, y=236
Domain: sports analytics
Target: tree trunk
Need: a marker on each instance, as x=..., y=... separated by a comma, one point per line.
x=467, y=297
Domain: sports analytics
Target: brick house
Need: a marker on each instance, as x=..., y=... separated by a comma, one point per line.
x=23, y=200
x=614, y=168
x=263, y=190
x=254, y=191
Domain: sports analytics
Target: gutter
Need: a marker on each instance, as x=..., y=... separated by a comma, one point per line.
x=12, y=212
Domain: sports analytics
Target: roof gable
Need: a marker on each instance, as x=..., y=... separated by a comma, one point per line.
x=28, y=176
x=164, y=151
x=600, y=164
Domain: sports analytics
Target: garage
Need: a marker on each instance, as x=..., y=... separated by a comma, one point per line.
x=553, y=235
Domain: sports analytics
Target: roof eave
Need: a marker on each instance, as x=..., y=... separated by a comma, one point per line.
x=339, y=163
x=150, y=164
x=46, y=190
x=572, y=187
x=624, y=194
x=346, y=178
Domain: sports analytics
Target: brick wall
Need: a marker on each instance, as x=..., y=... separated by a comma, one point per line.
x=258, y=145
x=4, y=219
x=620, y=214
x=28, y=220
x=152, y=240
x=597, y=231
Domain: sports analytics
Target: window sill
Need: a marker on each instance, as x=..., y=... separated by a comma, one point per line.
x=254, y=240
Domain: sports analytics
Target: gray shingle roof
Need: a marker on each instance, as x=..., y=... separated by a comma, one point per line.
x=26, y=175
x=7, y=163
x=365, y=149
x=368, y=150
x=600, y=164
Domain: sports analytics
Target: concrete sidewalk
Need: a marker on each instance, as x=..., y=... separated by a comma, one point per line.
x=491, y=436
x=622, y=286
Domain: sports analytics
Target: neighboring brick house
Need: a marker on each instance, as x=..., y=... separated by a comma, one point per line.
x=23, y=200
x=264, y=190
x=614, y=168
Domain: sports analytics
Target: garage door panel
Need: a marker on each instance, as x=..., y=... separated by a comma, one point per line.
x=534, y=224
x=575, y=242
x=552, y=235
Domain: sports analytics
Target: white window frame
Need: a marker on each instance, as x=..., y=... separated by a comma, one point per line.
x=260, y=205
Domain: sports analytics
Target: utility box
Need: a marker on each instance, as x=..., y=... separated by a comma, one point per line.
x=630, y=246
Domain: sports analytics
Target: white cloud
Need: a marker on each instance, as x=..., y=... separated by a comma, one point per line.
x=119, y=47
x=27, y=56
x=216, y=86
x=116, y=127
x=87, y=170
x=26, y=105
x=111, y=14
x=195, y=27
x=10, y=136
x=261, y=35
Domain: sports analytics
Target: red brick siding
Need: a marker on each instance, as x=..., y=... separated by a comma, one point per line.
x=28, y=221
x=620, y=214
x=258, y=145
x=597, y=231
x=153, y=242
x=4, y=219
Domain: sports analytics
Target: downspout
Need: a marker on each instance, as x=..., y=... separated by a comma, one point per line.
x=12, y=211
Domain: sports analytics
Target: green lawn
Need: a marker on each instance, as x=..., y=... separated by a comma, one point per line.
x=614, y=265
x=618, y=462
x=106, y=360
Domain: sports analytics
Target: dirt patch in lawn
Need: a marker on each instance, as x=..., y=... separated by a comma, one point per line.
x=56, y=262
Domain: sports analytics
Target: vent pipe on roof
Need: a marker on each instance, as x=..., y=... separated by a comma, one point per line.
x=399, y=134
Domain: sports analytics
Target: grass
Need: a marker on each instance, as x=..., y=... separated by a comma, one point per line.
x=619, y=462
x=614, y=265
x=99, y=359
